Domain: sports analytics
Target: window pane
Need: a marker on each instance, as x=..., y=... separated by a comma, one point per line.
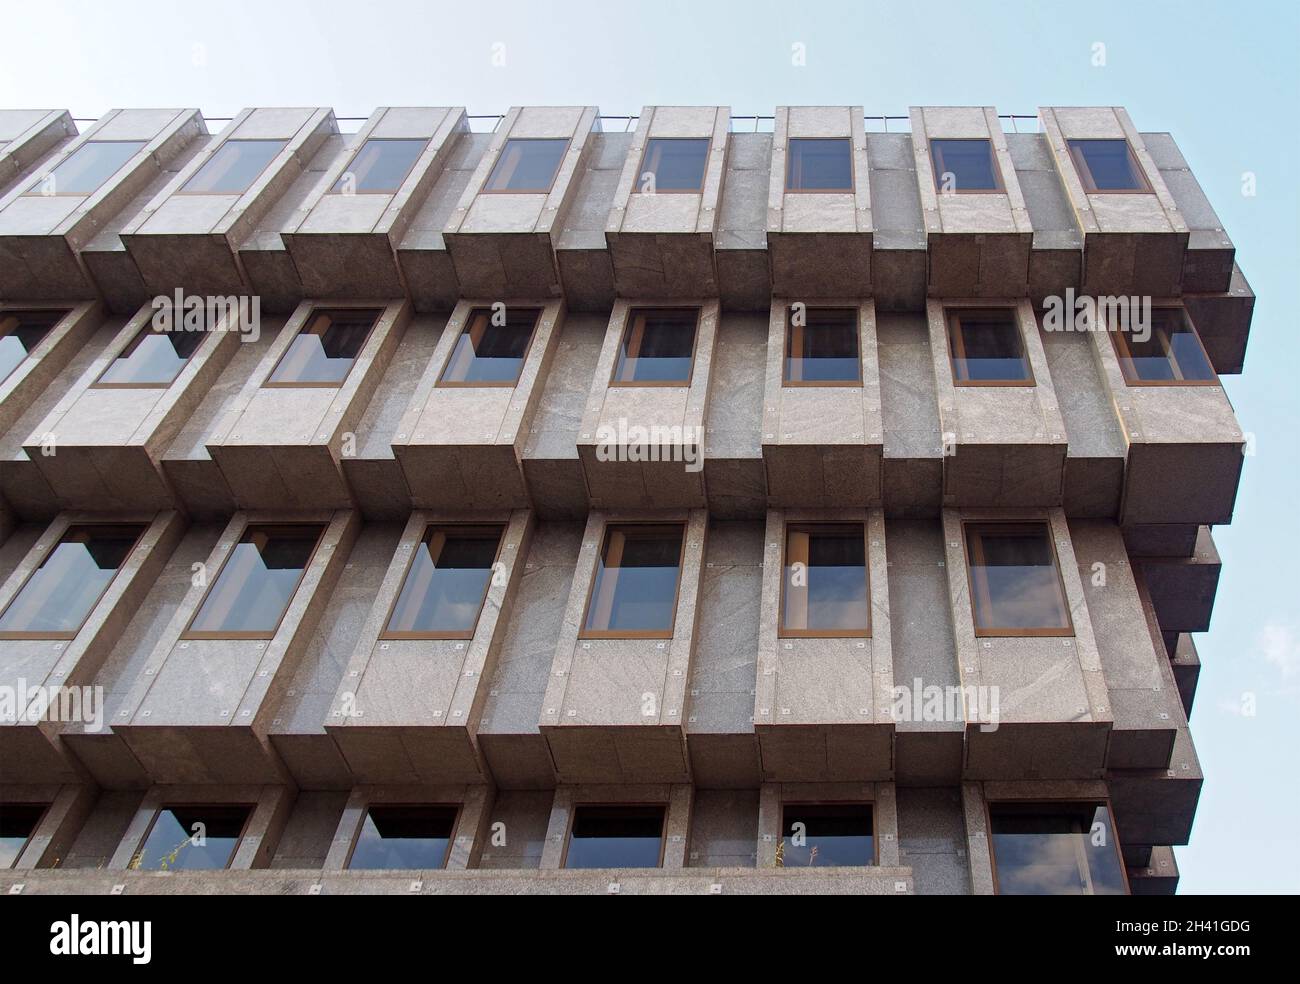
x=380, y=166
x=527, y=166
x=615, y=837
x=20, y=332
x=61, y=592
x=257, y=581
x=819, y=165
x=825, y=587
x=824, y=349
x=658, y=347
x=827, y=835
x=1014, y=577
x=89, y=166
x=324, y=351
x=1171, y=352
x=963, y=165
x=492, y=346
x=677, y=165
x=154, y=358
x=986, y=346
x=635, y=589
x=17, y=824
x=192, y=838
x=1108, y=165
x=1055, y=849
x=404, y=837
x=233, y=168
x=446, y=582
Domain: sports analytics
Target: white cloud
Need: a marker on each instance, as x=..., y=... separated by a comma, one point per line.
x=1279, y=644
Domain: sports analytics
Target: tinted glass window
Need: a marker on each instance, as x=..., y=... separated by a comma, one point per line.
x=233, y=168
x=404, y=837
x=256, y=582
x=20, y=332
x=446, y=582
x=192, y=838
x=825, y=589
x=821, y=346
x=1170, y=352
x=964, y=165
x=154, y=358
x=674, y=165
x=827, y=836
x=322, y=353
x=986, y=347
x=616, y=837
x=17, y=824
x=819, y=165
x=635, y=590
x=88, y=167
x=658, y=347
x=1107, y=165
x=527, y=166
x=1055, y=849
x=63, y=590
x=490, y=350
x=379, y=167
x=1015, y=582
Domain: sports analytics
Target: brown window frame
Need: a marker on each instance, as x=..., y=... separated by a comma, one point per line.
x=40, y=818
x=638, y=805
x=243, y=831
x=852, y=189
x=190, y=633
x=361, y=147
x=130, y=348
x=14, y=310
x=629, y=325
x=485, y=190
x=586, y=633
x=995, y=632
x=957, y=346
x=783, y=632
x=869, y=804
x=34, y=190
x=1085, y=173
x=641, y=169
x=1048, y=801
x=459, y=809
x=444, y=383
x=432, y=529
x=1124, y=355
x=999, y=183
x=68, y=636
x=284, y=145
x=311, y=316
x=790, y=338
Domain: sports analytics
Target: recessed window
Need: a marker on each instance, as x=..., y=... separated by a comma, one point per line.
x=1055, y=849
x=61, y=593
x=379, y=167
x=233, y=168
x=674, y=164
x=825, y=588
x=1107, y=165
x=192, y=838
x=634, y=593
x=404, y=837
x=658, y=347
x=256, y=583
x=827, y=835
x=1015, y=583
x=491, y=348
x=20, y=332
x=987, y=348
x=445, y=584
x=819, y=164
x=527, y=166
x=616, y=837
x=964, y=165
x=322, y=353
x=17, y=824
x=821, y=347
x=87, y=167
x=1170, y=354
x=153, y=359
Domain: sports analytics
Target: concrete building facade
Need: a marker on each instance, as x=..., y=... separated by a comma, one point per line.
x=554, y=503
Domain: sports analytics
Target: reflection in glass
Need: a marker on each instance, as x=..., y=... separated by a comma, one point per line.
x=825, y=589
x=88, y=167
x=1171, y=352
x=20, y=332
x=677, y=164
x=257, y=582
x=233, y=168
x=491, y=348
x=964, y=165
x=819, y=165
x=322, y=353
x=834, y=835
x=192, y=838
x=1055, y=849
x=379, y=167
x=404, y=837
x=821, y=346
x=986, y=346
x=1014, y=578
x=616, y=837
x=17, y=824
x=658, y=346
x=154, y=358
x=1107, y=165
x=446, y=583
x=635, y=590
x=58, y=597
x=527, y=166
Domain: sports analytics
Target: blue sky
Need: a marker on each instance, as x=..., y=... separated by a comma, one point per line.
x=1222, y=77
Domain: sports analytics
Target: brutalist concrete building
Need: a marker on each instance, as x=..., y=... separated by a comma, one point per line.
x=552, y=502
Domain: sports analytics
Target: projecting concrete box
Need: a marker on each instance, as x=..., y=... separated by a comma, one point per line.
x=280, y=446
x=642, y=445
x=189, y=235
x=43, y=229
x=1004, y=445
x=1133, y=241
x=822, y=444
x=408, y=710
x=32, y=751
x=343, y=239
x=1211, y=256
x=615, y=708
x=661, y=238
x=102, y=446
x=50, y=356
x=203, y=708
x=823, y=706
x=820, y=242
x=978, y=239
x=1053, y=708
x=502, y=241
x=459, y=444
x=27, y=135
